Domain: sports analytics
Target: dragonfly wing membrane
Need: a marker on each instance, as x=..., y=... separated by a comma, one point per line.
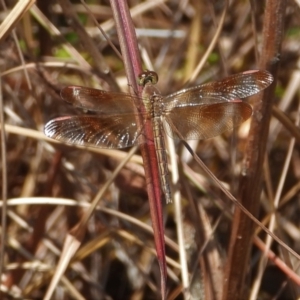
x=205, y=121
x=232, y=88
x=119, y=131
x=99, y=100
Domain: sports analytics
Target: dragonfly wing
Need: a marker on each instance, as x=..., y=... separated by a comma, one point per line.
x=117, y=131
x=98, y=100
x=205, y=121
x=232, y=88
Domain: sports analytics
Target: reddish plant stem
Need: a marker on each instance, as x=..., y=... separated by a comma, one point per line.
x=251, y=177
x=133, y=68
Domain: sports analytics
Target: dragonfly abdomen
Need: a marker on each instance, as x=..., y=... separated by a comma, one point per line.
x=162, y=159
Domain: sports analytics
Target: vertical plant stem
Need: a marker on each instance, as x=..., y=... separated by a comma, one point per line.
x=251, y=177
x=4, y=186
x=133, y=68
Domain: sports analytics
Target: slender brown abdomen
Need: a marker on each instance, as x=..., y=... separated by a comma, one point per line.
x=161, y=157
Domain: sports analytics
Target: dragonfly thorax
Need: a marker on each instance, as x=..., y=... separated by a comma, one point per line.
x=153, y=100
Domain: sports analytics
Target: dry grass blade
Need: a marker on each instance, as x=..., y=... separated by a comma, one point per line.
x=14, y=17
x=74, y=239
x=4, y=184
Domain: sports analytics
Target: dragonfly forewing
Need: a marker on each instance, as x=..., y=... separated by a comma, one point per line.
x=232, y=88
x=103, y=102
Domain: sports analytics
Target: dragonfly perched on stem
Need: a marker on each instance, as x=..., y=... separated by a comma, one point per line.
x=199, y=112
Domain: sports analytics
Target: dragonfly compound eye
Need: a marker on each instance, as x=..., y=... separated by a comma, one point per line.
x=148, y=76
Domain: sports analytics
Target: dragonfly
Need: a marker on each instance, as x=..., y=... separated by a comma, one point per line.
x=200, y=112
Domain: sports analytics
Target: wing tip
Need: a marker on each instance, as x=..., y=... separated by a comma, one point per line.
x=68, y=90
x=265, y=77
x=49, y=129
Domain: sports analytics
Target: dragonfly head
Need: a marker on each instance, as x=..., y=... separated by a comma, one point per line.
x=148, y=76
